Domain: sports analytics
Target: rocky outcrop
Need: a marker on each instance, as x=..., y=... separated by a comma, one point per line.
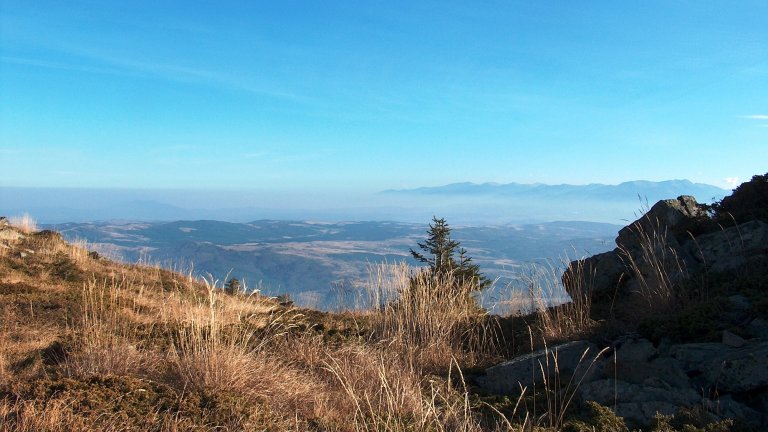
x=657, y=252
x=639, y=380
x=672, y=251
x=7, y=232
x=569, y=359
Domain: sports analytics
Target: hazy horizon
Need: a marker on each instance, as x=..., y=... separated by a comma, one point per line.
x=481, y=204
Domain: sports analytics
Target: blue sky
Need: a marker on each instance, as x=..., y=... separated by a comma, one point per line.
x=366, y=96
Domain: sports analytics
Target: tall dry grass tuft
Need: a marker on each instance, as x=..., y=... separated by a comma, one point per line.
x=561, y=389
x=24, y=223
x=386, y=392
x=29, y=416
x=6, y=320
x=559, y=315
x=431, y=317
x=655, y=265
x=106, y=340
x=78, y=251
x=215, y=353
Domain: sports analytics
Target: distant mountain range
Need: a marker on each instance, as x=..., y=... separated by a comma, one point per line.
x=653, y=191
x=493, y=202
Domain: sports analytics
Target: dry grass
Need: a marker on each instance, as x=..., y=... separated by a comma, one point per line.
x=134, y=327
x=656, y=267
x=390, y=393
x=24, y=223
x=217, y=353
x=428, y=317
x=6, y=321
x=558, y=316
x=107, y=340
x=559, y=389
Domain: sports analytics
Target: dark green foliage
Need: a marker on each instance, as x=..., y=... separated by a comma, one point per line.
x=445, y=257
x=691, y=420
x=133, y=404
x=64, y=268
x=697, y=323
x=602, y=419
x=285, y=300
x=233, y=286
x=747, y=202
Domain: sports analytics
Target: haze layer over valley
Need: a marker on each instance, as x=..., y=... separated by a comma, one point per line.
x=325, y=265
x=319, y=248
x=464, y=203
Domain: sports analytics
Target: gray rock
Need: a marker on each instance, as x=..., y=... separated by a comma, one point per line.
x=599, y=274
x=731, y=247
x=8, y=233
x=570, y=358
x=726, y=407
x=696, y=356
x=740, y=302
x=636, y=350
x=733, y=340
x=664, y=215
x=607, y=391
x=740, y=370
x=758, y=327
x=638, y=404
x=670, y=372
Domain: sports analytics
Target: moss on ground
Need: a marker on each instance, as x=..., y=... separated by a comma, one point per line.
x=134, y=404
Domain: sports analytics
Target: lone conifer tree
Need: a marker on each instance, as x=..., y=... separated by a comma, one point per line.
x=438, y=253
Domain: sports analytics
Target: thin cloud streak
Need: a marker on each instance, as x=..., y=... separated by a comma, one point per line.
x=756, y=117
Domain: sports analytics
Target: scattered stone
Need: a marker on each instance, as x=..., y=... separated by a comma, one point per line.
x=726, y=407
x=759, y=328
x=636, y=350
x=730, y=248
x=732, y=339
x=740, y=302
x=739, y=370
x=508, y=377
x=638, y=404
x=692, y=355
x=8, y=233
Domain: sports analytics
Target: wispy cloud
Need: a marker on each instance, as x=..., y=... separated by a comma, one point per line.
x=731, y=182
x=255, y=155
x=109, y=63
x=59, y=66
x=756, y=116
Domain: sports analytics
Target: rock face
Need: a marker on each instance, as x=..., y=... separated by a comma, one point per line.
x=7, y=232
x=655, y=253
x=670, y=248
x=639, y=380
x=569, y=359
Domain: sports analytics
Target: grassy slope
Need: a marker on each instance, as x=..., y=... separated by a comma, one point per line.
x=91, y=344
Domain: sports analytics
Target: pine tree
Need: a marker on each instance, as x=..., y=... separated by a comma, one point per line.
x=438, y=253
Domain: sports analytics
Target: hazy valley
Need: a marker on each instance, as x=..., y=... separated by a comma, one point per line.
x=325, y=265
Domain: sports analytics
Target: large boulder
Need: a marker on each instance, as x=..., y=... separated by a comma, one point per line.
x=572, y=359
x=730, y=248
x=638, y=403
x=663, y=218
x=648, y=253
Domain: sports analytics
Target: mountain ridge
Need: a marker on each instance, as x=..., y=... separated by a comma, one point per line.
x=487, y=186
